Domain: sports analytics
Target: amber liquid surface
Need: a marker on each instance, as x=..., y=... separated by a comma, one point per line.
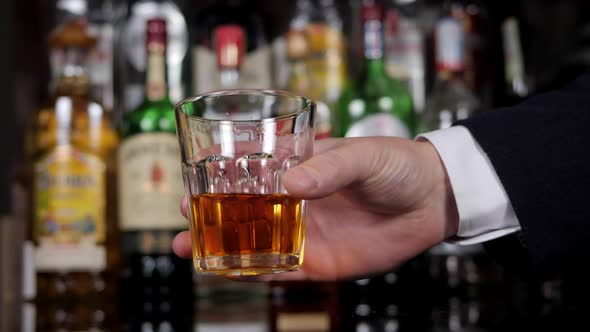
x=246, y=224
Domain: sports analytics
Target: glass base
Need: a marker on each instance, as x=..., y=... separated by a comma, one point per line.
x=248, y=265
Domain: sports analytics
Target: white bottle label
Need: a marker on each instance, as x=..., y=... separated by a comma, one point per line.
x=82, y=257
x=380, y=124
x=405, y=55
x=150, y=182
x=450, y=44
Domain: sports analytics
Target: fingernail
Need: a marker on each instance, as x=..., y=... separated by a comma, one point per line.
x=306, y=178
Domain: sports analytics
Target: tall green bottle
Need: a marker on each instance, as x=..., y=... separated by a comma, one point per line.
x=150, y=191
x=375, y=104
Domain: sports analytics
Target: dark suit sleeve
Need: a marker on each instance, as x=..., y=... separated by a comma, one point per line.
x=540, y=150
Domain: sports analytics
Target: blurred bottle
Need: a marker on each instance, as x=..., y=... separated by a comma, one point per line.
x=369, y=304
x=300, y=80
x=299, y=75
x=450, y=266
x=70, y=316
x=356, y=300
x=405, y=51
x=517, y=85
x=455, y=268
x=459, y=314
x=156, y=283
x=474, y=19
x=65, y=12
x=230, y=48
x=232, y=315
x=375, y=303
x=230, y=43
x=255, y=69
x=159, y=299
x=305, y=306
x=451, y=99
x=11, y=240
x=316, y=28
x=130, y=51
x=374, y=103
x=71, y=256
x=326, y=53
x=101, y=15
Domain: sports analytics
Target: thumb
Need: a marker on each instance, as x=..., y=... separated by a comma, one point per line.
x=328, y=172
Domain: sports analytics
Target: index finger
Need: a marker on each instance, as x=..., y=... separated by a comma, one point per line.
x=326, y=144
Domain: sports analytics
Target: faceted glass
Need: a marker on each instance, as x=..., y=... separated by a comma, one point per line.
x=235, y=147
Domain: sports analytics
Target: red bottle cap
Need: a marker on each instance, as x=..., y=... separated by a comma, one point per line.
x=391, y=21
x=372, y=11
x=230, y=46
x=156, y=31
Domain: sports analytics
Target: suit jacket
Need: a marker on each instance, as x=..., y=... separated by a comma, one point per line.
x=540, y=150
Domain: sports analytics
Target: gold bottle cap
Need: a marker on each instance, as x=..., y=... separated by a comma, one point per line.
x=72, y=34
x=297, y=47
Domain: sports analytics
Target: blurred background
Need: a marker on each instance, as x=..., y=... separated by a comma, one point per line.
x=84, y=80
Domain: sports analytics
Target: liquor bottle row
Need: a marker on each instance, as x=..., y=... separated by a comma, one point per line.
x=309, y=46
x=104, y=165
x=401, y=301
x=104, y=202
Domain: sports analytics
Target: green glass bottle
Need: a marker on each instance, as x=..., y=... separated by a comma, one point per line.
x=150, y=190
x=156, y=113
x=375, y=104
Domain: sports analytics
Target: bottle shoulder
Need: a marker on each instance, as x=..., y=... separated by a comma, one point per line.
x=163, y=105
x=376, y=89
x=73, y=121
x=451, y=95
x=151, y=116
x=449, y=102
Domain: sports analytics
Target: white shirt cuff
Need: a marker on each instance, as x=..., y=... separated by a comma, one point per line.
x=485, y=212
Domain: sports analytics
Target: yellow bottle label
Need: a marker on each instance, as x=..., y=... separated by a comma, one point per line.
x=70, y=202
x=326, y=62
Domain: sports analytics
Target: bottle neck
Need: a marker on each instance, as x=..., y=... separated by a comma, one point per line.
x=373, y=48
x=513, y=59
x=156, y=86
x=373, y=40
x=73, y=79
x=228, y=78
x=374, y=68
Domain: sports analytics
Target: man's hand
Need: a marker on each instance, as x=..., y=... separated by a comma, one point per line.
x=374, y=203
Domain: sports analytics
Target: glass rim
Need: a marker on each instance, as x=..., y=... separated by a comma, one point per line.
x=310, y=104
